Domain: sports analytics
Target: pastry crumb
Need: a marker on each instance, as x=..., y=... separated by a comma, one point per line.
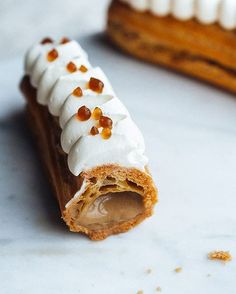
x=158, y=289
x=149, y=270
x=140, y=292
x=178, y=269
x=224, y=256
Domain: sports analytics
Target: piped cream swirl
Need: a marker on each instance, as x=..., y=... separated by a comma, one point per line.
x=55, y=85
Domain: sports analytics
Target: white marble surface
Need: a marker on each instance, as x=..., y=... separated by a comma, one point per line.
x=25, y=22
x=190, y=131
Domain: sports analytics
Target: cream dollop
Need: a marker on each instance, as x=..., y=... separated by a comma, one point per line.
x=73, y=103
x=51, y=75
x=206, y=11
x=33, y=53
x=90, y=98
x=65, y=85
x=139, y=4
x=74, y=129
x=227, y=14
x=119, y=149
x=183, y=9
x=66, y=52
x=160, y=7
x=55, y=86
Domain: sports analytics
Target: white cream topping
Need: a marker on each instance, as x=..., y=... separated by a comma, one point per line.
x=65, y=51
x=183, y=9
x=119, y=149
x=160, y=7
x=106, y=102
x=73, y=131
x=65, y=85
x=206, y=11
x=33, y=53
x=51, y=75
x=55, y=85
x=139, y=4
x=227, y=14
x=73, y=103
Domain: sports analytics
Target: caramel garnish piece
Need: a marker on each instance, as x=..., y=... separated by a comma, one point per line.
x=52, y=55
x=65, y=40
x=97, y=113
x=178, y=269
x=220, y=255
x=78, y=92
x=96, y=85
x=94, y=131
x=83, y=68
x=46, y=41
x=83, y=113
x=106, y=133
x=105, y=122
x=71, y=67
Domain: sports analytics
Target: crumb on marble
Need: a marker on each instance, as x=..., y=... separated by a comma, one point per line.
x=149, y=270
x=178, y=269
x=158, y=289
x=140, y=292
x=208, y=275
x=224, y=256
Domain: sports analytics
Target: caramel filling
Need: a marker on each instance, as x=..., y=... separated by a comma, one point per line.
x=111, y=209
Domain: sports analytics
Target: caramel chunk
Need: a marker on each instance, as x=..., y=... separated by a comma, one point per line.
x=97, y=113
x=83, y=113
x=178, y=269
x=78, y=92
x=65, y=40
x=52, y=55
x=106, y=133
x=71, y=67
x=94, y=131
x=220, y=255
x=46, y=41
x=105, y=122
x=96, y=85
x=83, y=68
